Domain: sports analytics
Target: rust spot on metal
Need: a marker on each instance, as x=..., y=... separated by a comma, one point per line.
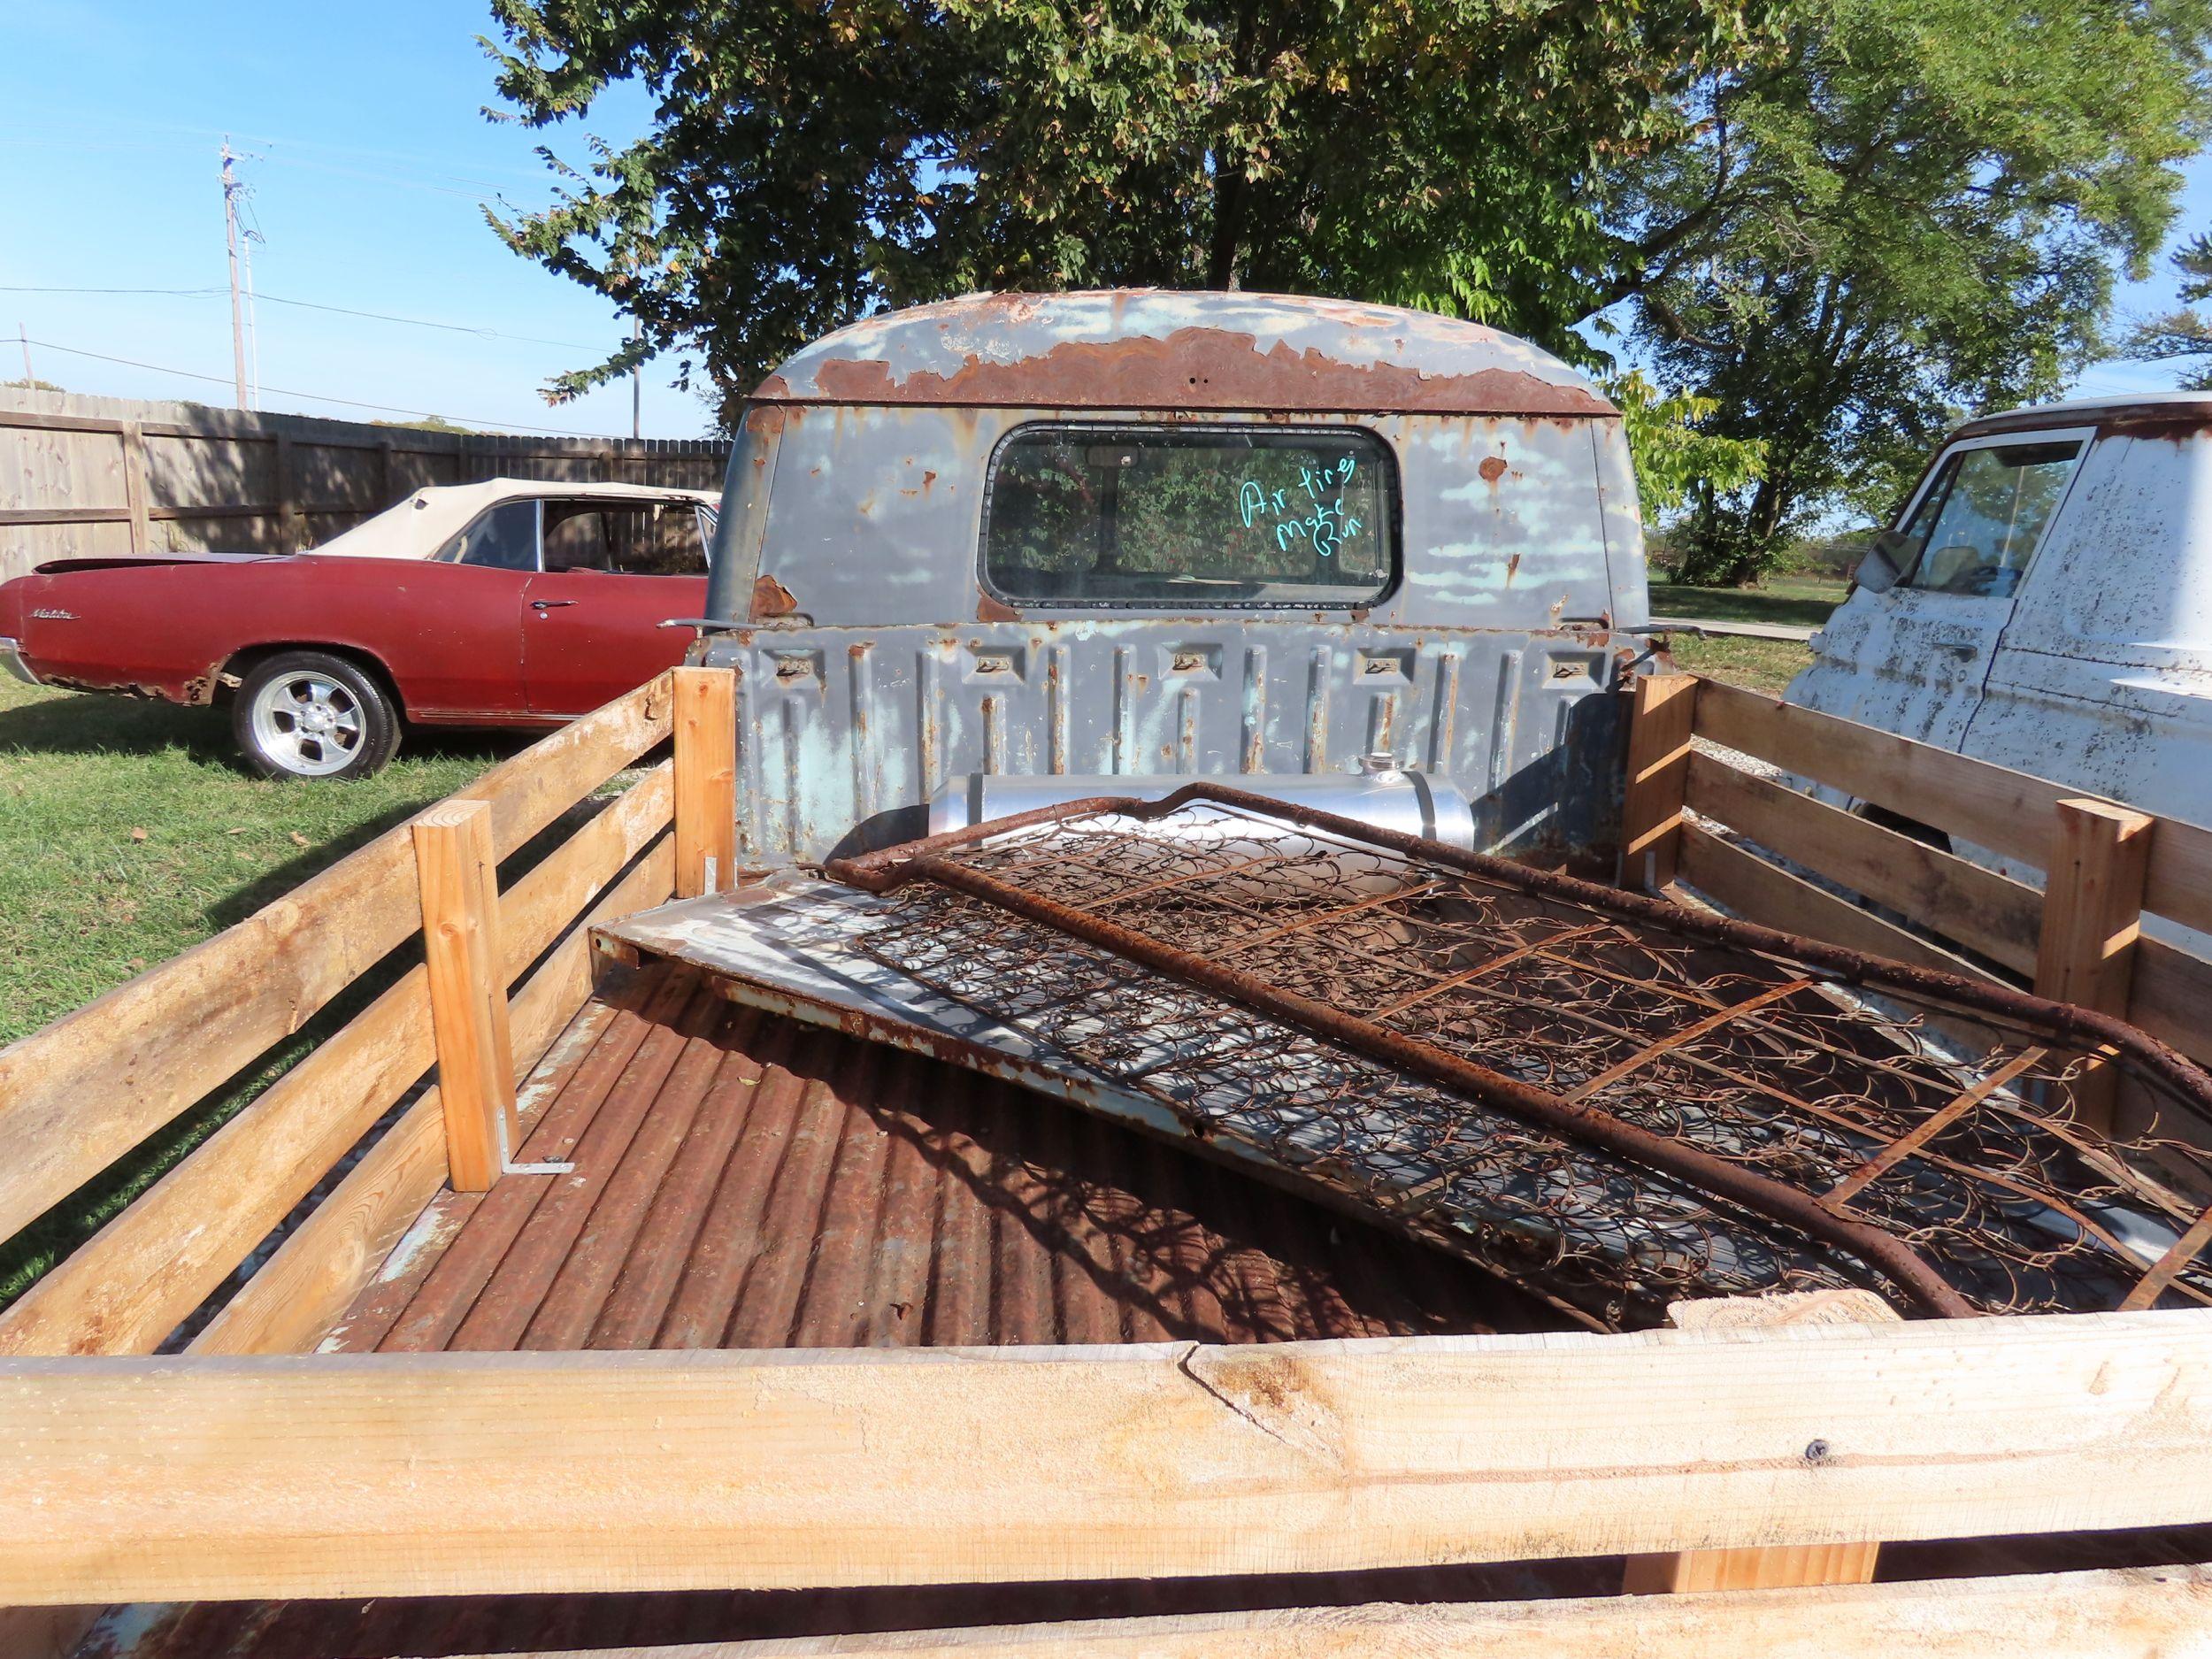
x=2173, y=426
x=765, y=419
x=1492, y=469
x=1512, y=568
x=928, y=478
x=1198, y=368
x=771, y=598
x=990, y=609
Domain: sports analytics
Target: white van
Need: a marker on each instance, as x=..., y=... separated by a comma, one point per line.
x=2044, y=601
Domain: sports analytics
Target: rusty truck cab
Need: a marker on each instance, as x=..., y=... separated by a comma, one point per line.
x=1153, y=535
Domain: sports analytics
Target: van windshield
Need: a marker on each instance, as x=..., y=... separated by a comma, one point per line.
x=1222, y=515
x=1979, y=522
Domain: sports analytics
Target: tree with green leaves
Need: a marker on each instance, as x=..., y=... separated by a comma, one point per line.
x=808, y=163
x=1825, y=226
x=1914, y=209
x=2186, y=333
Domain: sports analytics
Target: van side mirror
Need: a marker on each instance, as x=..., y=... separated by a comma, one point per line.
x=1878, y=570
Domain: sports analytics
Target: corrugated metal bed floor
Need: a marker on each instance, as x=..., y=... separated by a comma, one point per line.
x=741, y=1180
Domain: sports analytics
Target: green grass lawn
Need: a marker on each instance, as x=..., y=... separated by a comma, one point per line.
x=129, y=831
x=1802, y=602
x=1762, y=664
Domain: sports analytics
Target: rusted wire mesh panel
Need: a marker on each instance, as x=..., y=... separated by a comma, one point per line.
x=1302, y=992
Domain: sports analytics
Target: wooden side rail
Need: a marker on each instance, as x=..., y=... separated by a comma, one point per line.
x=459, y=883
x=149, y=1049
x=2082, y=1615
x=2078, y=938
x=2006, y=811
x=1677, y=1571
x=706, y=779
x=369, y=1475
x=153, y=1264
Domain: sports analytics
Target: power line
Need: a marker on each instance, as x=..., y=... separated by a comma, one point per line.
x=313, y=305
x=316, y=397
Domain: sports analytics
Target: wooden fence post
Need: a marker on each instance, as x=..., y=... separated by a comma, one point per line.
x=134, y=487
x=1660, y=725
x=704, y=715
x=287, y=503
x=1781, y=1566
x=2093, y=915
x=468, y=993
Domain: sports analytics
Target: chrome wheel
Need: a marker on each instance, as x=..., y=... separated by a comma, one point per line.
x=307, y=723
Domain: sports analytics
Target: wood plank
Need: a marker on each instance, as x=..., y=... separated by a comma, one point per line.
x=363, y=1475
x=2092, y=904
x=1993, y=806
x=2178, y=883
x=705, y=719
x=1765, y=892
x=79, y=1092
x=1676, y=1571
x=1987, y=913
x=2126, y=1615
x=148, y=1268
x=2170, y=997
x=1663, y=714
x=459, y=881
x=312, y=1279
x=134, y=487
x=2093, y=915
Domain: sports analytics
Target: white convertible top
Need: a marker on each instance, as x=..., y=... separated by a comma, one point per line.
x=435, y=514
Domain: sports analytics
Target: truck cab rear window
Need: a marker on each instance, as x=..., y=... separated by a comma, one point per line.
x=1206, y=516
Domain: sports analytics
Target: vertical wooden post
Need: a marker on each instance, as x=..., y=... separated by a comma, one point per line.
x=136, y=485
x=704, y=716
x=1660, y=724
x=2093, y=915
x=287, y=497
x=468, y=989
x=1782, y=1565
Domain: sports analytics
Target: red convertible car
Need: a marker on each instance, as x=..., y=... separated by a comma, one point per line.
x=511, y=602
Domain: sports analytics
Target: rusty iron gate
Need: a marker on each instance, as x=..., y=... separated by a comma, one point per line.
x=1611, y=1100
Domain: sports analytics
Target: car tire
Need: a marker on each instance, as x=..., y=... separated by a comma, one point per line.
x=313, y=715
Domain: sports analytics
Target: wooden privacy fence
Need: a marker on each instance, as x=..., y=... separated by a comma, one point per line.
x=107, y=476
x=82, y=1092
x=2078, y=938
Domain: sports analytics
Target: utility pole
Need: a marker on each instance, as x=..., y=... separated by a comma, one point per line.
x=637, y=382
x=24, y=336
x=231, y=187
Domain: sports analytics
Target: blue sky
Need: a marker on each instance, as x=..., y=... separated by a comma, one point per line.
x=368, y=156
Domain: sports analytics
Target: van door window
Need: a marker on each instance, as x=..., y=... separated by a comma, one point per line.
x=1191, y=516
x=1978, y=524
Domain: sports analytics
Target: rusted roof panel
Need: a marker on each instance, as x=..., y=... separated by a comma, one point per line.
x=1152, y=349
